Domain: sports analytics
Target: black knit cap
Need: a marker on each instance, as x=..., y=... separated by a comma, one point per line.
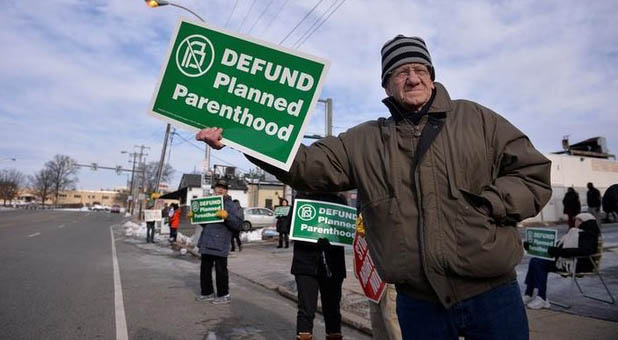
x=403, y=50
x=221, y=183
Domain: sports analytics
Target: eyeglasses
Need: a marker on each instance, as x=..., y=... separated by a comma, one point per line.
x=420, y=71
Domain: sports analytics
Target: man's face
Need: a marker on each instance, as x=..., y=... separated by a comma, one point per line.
x=410, y=85
x=220, y=191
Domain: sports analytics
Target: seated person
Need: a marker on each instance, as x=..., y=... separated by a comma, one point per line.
x=582, y=240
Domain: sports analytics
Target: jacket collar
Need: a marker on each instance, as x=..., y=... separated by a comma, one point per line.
x=442, y=103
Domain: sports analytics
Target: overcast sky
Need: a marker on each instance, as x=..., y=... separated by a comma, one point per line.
x=77, y=76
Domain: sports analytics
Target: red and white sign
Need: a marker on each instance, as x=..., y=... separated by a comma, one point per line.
x=365, y=271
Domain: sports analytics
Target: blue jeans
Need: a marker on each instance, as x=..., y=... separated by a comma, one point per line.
x=496, y=314
x=536, y=277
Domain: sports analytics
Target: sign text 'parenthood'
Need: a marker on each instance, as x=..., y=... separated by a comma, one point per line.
x=259, y=93
x=204, y=210
x=312, y=220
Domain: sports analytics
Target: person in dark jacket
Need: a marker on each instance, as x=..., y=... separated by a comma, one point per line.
x=214, y=245
x=236, y=234
x=582, y=240
x=572, y=206
x=283, y=227
x=610, y=202
x=593, y=199
x=318, y=267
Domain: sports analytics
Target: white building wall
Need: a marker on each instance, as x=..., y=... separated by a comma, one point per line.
x=575, y=171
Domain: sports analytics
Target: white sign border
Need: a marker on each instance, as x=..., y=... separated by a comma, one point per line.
x=201, y=198
x=282, y=165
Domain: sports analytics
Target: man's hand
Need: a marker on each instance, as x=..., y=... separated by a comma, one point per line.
x=222, y=214
x=212, y=137
x=189, y=214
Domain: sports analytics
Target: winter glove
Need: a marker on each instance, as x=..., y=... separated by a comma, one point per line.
x=526, y=245
x=222, y=214
x=323, y=243
x=553, y=251
x=360, y=226
x=189, y=214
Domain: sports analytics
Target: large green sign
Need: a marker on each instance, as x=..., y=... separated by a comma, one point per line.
x=312, y=220
x=204, y=209
x=259, y=93
x=539, y=239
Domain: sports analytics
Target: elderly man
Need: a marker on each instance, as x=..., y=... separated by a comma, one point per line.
x=443, y=184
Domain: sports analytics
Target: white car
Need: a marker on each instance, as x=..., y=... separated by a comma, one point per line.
x=258, y=218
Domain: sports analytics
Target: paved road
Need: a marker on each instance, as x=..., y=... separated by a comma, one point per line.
x=57, y=282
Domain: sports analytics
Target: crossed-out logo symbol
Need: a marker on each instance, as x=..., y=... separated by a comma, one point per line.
x=195, y=205
x=195, y=55
x=306, y=212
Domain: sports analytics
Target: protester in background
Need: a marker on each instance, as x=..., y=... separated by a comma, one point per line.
x=582, y=240
x=318, y=267
x=174, y=221
x=150, y=225
x=610, y=202
x=593, y=199
x=283, y=226
x=165, y=215
x=384, y=321
x=444, y=183
x=572, y=206
x=236, y=233
x=214, y=245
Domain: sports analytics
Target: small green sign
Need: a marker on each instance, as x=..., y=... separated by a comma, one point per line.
x=312, y=220
x=261, y=94
x=282, y=210
x=539, y=239
x=204, y=209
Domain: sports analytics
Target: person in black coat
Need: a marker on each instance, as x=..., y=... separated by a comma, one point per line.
x=572, y=206
x=318, y=266
x=283, y=227
x=583, y=240
x=610, y=201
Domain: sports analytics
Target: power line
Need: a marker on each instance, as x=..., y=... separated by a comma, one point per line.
x=315, y=23
x=213, y=156
x=276, y=16
x=230, y=17
x=260, y=17
x=300, y=22
x=246, y=16
x=323, y=21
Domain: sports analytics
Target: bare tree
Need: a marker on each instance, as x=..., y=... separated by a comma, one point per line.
x=41, y=184
x=150, y=179
x=11, y=181
x=63, y=170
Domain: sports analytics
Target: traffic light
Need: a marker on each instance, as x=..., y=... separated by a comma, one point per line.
x=94, y=166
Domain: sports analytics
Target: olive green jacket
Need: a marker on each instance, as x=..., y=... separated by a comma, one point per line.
x=426, y=230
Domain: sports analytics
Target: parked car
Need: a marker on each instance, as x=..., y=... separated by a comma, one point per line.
x=258, y=218
x=97, y=207
x=115, y=209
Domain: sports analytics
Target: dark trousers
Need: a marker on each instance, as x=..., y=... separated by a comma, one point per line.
x=150, y=231
x=536, y=277
x=496, y=314
x=220, y=264
x=284, y=237
x=236, y=236
x=173, y=233
x=330, y=293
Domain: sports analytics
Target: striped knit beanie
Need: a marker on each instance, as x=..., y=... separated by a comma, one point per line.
x=403, y=50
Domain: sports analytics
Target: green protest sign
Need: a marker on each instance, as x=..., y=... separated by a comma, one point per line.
x=204, y=209
x=261, y=94
x=282, y=210
x=312, y=220
x=539, y=239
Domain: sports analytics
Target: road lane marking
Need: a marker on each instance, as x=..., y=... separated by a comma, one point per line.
x=61, y=226
x=121, y=319
x=35, y=234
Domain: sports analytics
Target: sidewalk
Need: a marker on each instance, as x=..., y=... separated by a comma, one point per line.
x=261, y=263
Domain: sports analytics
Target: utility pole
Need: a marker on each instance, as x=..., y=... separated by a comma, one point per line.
x=142, y=155
x=162, y=159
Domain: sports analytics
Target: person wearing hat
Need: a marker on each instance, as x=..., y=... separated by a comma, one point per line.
x=214, y=245
x=444, y=183
x=581, y=240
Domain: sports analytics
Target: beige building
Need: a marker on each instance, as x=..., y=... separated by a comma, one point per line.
x=82, y=198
